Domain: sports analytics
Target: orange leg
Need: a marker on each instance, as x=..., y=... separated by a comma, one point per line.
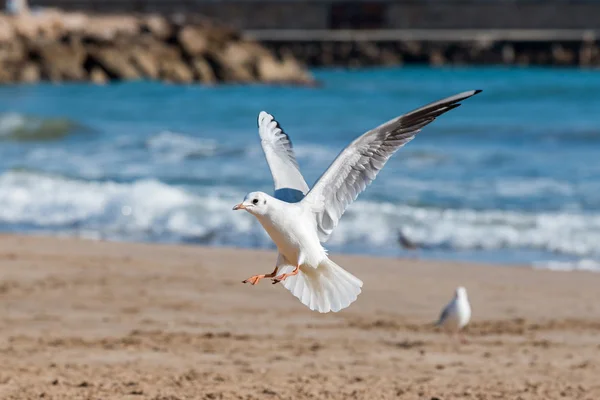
x=283, y=276
x=256, y=278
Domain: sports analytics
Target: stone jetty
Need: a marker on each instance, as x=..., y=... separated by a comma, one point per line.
x=51, y=45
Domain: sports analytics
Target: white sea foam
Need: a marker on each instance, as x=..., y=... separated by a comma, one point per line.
x=11, y=122
x=145, y=209
x=571, y=233
x=175, y=146
x=531, y=187
x=151, y=210
x=47, y=200
x=578, y=265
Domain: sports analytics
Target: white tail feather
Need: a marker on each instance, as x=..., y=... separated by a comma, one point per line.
x=326, y=288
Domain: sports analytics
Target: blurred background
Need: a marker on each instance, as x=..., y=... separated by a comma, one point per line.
x=136, y=120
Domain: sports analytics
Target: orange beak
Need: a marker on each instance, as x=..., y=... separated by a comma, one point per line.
x=240, y=206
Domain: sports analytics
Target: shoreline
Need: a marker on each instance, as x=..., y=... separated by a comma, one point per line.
x=403, y=256
x=360, y=263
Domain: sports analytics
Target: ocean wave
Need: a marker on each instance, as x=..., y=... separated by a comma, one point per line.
x=508, y=192
x=563, y=232
x=148, y=209
x=15, y=126
x=577, y=265
x=176, y=146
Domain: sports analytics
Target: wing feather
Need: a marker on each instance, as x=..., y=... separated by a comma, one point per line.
x=359, y=163
x=289, y=183
x=445, y=314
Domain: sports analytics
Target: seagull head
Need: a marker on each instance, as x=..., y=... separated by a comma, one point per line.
x=460, y=292
x=255, y=203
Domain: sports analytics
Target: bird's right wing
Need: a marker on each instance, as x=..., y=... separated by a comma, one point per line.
x=359, y=163
x=289, y=183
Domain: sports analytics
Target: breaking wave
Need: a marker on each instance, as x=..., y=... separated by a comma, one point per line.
x=151, y=210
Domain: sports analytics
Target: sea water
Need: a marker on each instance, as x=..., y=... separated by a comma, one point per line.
x=511, y=176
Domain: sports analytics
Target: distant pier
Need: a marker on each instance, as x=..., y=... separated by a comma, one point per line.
x=387, y=32
x=432, y=35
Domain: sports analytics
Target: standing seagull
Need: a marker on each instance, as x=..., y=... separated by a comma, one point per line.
x=457, y=313
x=298, y=220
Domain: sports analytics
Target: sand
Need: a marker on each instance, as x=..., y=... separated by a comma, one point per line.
x=95, y=320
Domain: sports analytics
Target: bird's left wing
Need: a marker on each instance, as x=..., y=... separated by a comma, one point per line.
x=445, y=314
x=359, y=163
x=289, y=183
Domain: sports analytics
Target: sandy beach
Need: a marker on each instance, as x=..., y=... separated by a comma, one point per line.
x=97, y=320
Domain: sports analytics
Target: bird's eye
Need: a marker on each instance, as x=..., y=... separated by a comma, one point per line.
x=255, y=201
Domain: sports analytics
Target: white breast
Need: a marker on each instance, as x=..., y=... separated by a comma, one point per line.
x=463, y=312
x=294, y=233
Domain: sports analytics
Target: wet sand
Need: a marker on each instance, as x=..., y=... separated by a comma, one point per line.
x=96, y=320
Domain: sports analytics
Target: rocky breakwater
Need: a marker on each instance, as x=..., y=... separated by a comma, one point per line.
x=57, y=46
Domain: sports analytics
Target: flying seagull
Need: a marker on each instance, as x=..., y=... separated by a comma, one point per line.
x=299, y=219
x=457, y=314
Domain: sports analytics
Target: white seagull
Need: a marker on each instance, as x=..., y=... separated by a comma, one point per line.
x=298, y=220
x=457, y=314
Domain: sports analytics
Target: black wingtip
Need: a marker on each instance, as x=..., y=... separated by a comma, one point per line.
x=477, y=91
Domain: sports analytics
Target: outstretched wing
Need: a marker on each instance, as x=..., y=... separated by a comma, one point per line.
x=359, y=163
x=289, y=184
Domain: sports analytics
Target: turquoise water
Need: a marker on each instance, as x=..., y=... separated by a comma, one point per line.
x=513, y=175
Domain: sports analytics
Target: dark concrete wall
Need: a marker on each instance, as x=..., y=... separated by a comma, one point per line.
x=496, y=14
x=403, y=14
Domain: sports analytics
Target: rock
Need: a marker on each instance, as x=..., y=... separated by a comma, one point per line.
x=158, y=26
x=7, y=75
x=107, y=28
x=145, y=62
x=389, y=57
x=238, y=61
x=286, y=71
x=60, y=62
x=436, y=57
x=193, y=41
x=204, y=72
x=46, y=26
x=76, y=22
x=30, y=73
x=98, y=76
x=172, y=66
x=176, y=71
x=369, y=52
x=221, y=35
x=7, y=31
x=115, y=61
x=26, y=27
x=561, y=55
x=586, y=54
x=12, y=52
